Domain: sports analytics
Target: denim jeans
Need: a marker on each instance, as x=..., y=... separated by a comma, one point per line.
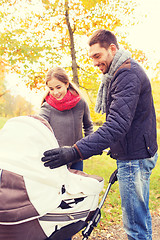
x=134, y=180
x=77, y=165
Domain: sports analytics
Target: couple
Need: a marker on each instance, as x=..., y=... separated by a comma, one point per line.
x=129, y=131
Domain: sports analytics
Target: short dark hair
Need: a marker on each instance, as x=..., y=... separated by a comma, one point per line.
x=104, y=38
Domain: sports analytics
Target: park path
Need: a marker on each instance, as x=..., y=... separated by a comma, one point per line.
x=116, y=232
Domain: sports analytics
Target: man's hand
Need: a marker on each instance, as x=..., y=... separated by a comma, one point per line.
x=60, y=156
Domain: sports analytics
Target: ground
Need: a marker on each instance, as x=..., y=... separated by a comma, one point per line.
x=116, y=232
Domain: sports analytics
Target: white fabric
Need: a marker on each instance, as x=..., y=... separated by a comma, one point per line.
x=23, y=141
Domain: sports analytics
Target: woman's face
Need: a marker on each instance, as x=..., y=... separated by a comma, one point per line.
x=57, y=88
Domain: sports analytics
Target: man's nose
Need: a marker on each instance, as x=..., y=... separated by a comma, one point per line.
x=95, y=62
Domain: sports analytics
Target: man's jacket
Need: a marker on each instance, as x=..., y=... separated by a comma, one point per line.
x=130, y=127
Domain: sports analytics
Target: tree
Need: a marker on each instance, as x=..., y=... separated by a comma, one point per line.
x=38, y=34
x=13, y=106
x=2, y=78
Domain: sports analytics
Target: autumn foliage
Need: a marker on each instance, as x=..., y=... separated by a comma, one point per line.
x=37, y=35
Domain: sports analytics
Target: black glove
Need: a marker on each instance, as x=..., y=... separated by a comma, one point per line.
x=60, y=156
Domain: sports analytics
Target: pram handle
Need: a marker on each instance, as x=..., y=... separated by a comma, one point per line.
x=97, y=215
x=113, y=177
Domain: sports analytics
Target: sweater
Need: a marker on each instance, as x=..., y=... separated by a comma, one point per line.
x=68, y=125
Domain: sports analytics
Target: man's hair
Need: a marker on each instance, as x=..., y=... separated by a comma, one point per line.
x=104, y=38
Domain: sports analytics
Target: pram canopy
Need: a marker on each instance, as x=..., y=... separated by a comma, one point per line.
x=36, y=201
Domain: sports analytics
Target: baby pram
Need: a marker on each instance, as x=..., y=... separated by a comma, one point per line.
x=37, y=203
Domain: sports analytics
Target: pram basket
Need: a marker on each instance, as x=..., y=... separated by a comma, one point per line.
x=37, y=202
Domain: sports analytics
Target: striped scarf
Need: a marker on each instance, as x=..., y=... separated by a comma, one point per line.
x=120, y=57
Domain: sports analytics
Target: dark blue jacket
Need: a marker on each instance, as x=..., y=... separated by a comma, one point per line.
x=130, y=126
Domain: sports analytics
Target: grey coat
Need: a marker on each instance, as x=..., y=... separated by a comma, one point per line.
x=68, y=125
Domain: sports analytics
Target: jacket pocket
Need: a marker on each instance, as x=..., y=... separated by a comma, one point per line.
x=119, y=149
x=148, y=144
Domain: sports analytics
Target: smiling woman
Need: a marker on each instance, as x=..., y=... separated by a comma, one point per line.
x=65, y=109
x=57, y=88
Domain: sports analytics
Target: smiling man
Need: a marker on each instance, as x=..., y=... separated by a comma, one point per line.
x=103, y=53
x=125, y=96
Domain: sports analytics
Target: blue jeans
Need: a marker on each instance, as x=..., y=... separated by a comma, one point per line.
x=77, y=165
x=134, y=180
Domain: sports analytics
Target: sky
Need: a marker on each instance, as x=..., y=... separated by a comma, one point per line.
x=144, y=36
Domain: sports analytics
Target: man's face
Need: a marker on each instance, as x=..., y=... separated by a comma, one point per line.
x=101, y=57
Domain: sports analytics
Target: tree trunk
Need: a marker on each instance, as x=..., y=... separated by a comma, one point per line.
x=72, y=46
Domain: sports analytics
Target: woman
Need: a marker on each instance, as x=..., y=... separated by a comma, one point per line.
x=65, y=110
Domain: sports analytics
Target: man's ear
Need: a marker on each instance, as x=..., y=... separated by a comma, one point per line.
x=113, y=48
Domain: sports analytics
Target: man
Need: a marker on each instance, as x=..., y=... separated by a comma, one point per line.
x=129, y=130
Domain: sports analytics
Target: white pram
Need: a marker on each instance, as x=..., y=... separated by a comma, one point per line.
x=38, y=203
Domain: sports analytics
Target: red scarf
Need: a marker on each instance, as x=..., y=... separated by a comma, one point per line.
x=69, y=101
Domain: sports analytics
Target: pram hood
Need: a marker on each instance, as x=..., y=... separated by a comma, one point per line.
x=23, y=176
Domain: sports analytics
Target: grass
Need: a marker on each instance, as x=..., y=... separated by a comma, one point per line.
x=2, y=121
x=103, y=166
x=155, y=183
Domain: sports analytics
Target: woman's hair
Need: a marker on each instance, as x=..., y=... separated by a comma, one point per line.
x=61, y=75
x=104, y=37
x=58, y=73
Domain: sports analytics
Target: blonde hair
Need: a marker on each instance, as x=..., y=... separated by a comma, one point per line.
x=61, y=75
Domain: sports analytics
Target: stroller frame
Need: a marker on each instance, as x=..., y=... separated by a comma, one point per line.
x=97, y=215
